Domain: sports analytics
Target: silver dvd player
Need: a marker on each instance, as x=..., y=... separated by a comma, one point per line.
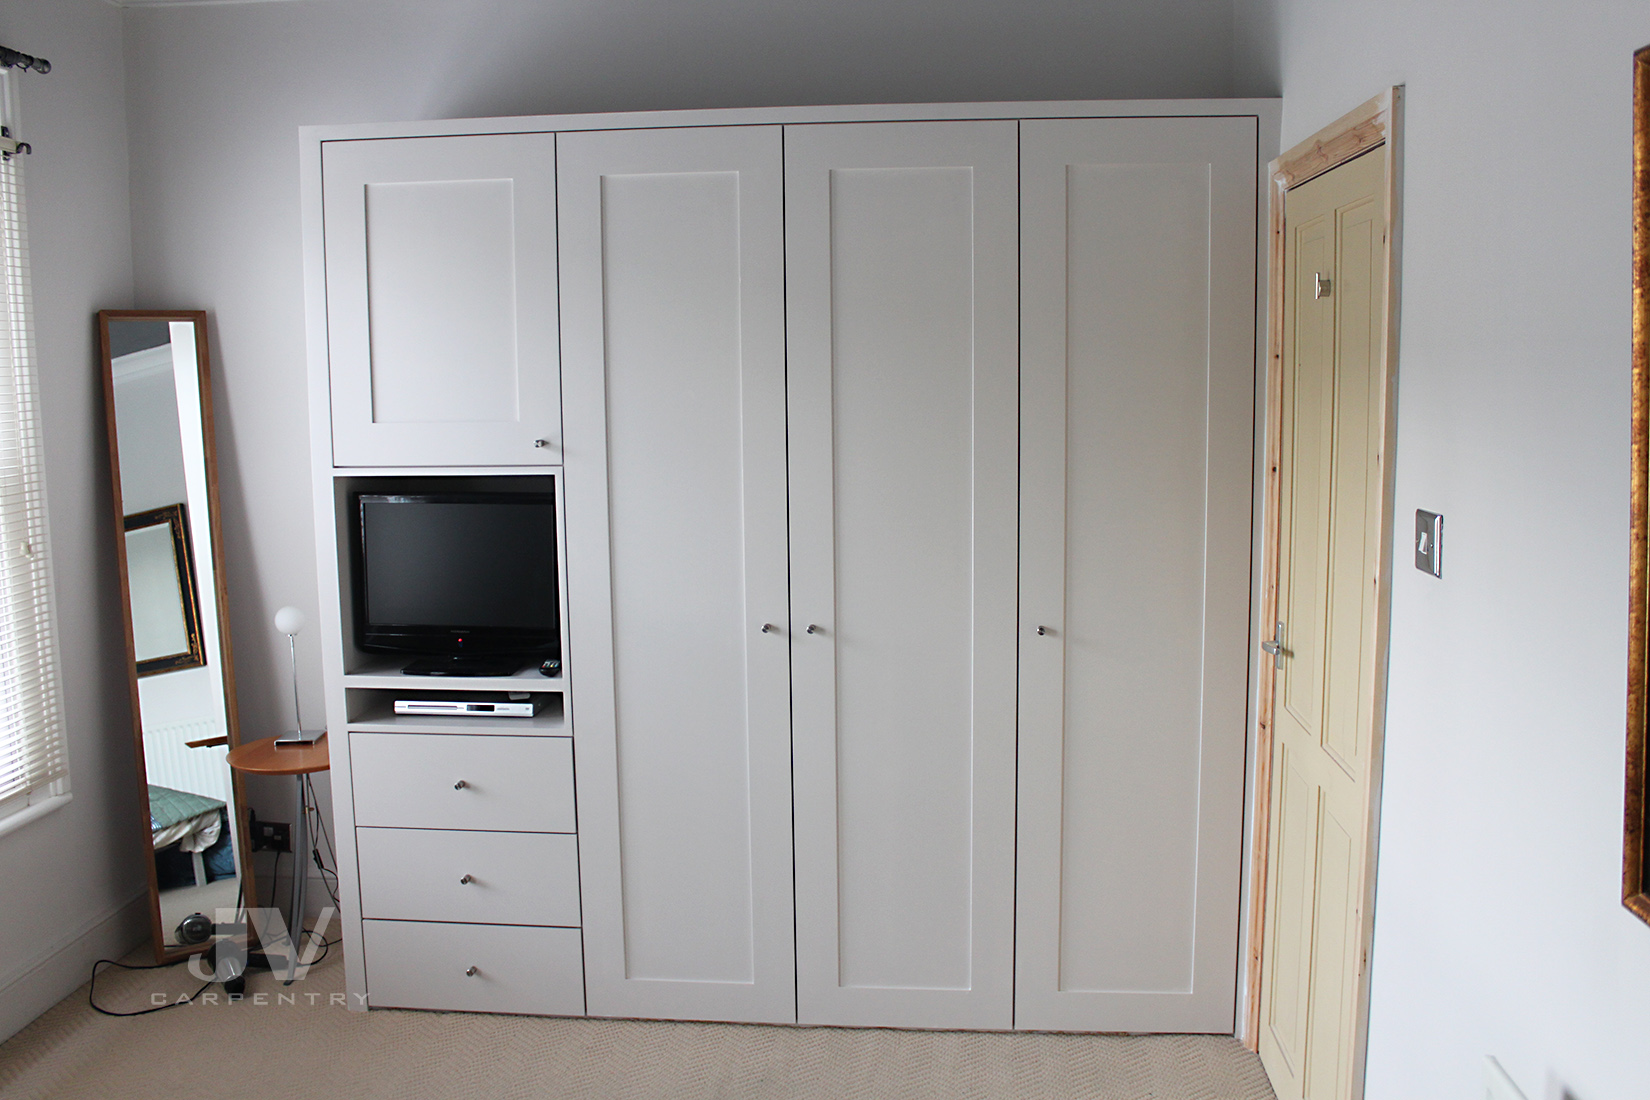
x=524, y=708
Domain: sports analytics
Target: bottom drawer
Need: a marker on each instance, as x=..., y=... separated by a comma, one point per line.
x=423, y=964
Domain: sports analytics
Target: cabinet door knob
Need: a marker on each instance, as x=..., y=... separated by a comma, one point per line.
x=472, y=972
x=815, y=628
x=768, y=628
x=460, y=785
x=1042, y=630
x=466, y=880
x=541, y=443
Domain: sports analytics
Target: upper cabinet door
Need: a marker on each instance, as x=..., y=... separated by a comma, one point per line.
x=674, y=335
x=902, y=289
x=441, y=300
x=1138, y=360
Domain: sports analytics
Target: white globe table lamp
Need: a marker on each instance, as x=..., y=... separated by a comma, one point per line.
x=289, y=621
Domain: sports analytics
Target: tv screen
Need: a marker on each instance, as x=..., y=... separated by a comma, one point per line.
x=457, y=574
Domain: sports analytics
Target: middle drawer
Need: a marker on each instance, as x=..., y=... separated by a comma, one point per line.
x=463, y=781
x=477, y=878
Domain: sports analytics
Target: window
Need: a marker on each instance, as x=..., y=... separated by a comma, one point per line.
x=33, y=761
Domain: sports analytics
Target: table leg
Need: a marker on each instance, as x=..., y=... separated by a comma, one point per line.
x=300, y=877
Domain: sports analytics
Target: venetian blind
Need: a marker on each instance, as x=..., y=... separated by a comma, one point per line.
x=33, y=763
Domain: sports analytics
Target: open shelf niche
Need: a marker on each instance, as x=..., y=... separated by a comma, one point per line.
x=373, y=681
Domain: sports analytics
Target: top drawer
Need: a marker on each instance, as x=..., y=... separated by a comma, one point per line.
x=455, y=781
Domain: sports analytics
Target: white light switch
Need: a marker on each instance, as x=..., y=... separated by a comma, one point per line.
x=1429, y=537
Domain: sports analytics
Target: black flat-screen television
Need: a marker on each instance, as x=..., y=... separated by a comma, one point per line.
x=465, y=582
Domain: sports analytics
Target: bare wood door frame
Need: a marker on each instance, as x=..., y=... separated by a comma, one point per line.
x=1372, y=124
x=1635, y=854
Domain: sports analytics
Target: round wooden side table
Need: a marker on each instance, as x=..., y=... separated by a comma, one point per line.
x=266, y=758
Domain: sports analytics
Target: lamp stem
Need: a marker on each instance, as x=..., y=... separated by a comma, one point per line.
x=297, y=716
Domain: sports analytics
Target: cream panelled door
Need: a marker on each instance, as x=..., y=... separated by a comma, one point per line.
x=900, y=250
x=441, y=300
x=673, y=326
x=1329, y=565
x=1138, y=361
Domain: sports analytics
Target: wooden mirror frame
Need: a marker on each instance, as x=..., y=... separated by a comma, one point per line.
x=175, y=518
x=1635, y=882
x=238, y=815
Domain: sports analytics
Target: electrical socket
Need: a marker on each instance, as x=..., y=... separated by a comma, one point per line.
x=271, y=836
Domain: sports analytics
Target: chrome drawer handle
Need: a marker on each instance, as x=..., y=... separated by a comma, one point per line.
x=472, y=972
x=466, y=880
x=460, y=785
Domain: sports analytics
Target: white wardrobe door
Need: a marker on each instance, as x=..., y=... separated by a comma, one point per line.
x=1138, y=252
x=441, y=300
x=673, y=330
x=901, y=277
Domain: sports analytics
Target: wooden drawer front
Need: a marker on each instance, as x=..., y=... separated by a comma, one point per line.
x=490, y=878
x=415, y=964
x=463, y=781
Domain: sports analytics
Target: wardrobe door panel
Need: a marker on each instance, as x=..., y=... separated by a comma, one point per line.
x=441, y=300
x=672, y=308
x=901, y=313
x=1138, y=251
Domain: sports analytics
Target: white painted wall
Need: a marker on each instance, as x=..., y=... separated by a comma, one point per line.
x=217, y=92
x=68, y=878
x=205, y=212
x=1498, y=925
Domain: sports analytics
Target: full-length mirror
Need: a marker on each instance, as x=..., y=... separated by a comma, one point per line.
x=159, y=402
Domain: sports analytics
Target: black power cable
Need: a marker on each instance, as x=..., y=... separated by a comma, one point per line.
x=318, y=829
x=91, y=993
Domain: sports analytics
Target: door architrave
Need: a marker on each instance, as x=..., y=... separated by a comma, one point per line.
x=1376, y=122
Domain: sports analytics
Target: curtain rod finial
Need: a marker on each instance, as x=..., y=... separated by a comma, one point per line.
x=10, y=58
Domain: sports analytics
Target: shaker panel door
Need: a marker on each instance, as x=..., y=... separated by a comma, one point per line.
x=901, y=288
x=441, y=300
x=1138, y=358
x=673, y=325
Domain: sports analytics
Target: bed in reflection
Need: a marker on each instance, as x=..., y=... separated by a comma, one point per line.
x=190, y=823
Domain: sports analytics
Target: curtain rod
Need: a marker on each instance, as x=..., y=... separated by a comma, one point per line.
x=10, y=58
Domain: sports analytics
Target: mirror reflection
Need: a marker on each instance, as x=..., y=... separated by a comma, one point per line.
x=160, y=582
x=161, y=438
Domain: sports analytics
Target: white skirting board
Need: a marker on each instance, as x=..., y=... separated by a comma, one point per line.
x=37, y=984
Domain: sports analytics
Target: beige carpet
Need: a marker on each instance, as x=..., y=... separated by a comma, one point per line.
x=315, y=1048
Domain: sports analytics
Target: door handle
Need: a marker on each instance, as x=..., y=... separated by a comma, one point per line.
x=1275, y=647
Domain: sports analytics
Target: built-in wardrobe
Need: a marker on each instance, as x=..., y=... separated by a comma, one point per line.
x=905, y=465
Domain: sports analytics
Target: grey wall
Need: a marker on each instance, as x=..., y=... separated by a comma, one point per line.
x=68, y=877
x=204, y=211
x=151, y=442
x=1498, y=923
x=216, y=94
